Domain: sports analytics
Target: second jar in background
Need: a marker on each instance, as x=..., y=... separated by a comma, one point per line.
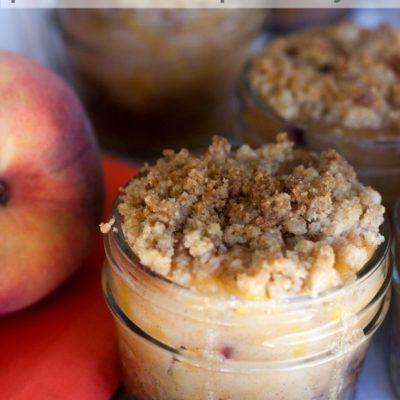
x=332, y=87
x=158, y=78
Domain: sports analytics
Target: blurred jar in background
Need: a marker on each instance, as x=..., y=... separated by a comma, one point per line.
x=331, y=87
x=158, y=78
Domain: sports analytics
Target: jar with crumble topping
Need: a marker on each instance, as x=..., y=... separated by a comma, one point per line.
x=331, y=87
x=156, y=78
x=177, y=346
x=212, y=310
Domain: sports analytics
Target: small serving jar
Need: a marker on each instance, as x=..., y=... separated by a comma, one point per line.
x=395, y=339
x=176, y=344
x=152, y=79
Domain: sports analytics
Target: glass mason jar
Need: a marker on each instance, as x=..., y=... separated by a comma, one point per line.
x=374, y=154
x=152, y=79
x=176, y=344
x=395, y=339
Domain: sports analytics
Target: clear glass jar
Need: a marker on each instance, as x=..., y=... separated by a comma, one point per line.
x=395, y=334
x=152, y=79
x=176, y=344
x=375, y=155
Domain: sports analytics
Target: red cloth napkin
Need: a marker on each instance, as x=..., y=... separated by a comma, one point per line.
x=65, y=347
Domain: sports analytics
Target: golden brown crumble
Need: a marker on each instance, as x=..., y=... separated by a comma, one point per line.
x=270, y=222
x=105, y=227
x=342, y=75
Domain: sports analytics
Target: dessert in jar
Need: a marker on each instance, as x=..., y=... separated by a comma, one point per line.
x=156, y=78
x=246, y=274
x=331, y=87
x=395, y=339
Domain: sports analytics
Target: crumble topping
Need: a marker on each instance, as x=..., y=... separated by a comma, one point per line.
x=271, y=222
x=105, y=227
x=342, y=75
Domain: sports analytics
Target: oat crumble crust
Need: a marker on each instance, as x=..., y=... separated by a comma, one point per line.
x=341, y=75
x=271, y=222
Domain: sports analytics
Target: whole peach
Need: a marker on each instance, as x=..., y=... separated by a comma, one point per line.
x=51, y=182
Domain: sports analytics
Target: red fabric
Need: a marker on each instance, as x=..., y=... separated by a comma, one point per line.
x=64, y=347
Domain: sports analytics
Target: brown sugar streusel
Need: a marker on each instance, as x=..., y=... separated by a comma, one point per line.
x=342, y=76
x=271, y=222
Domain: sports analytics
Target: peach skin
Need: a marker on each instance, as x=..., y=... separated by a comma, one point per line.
x=51, y=182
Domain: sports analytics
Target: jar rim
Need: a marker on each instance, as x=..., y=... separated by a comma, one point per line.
x=117, y=236
x=71, y=38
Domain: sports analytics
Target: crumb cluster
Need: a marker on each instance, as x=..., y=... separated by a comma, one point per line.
x=342, y=75
x=266, y=223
